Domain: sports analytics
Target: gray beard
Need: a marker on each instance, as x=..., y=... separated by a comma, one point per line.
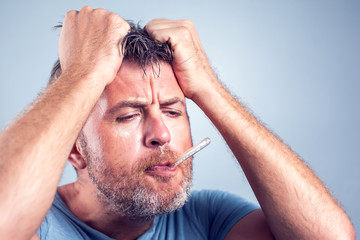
x=128, y=196
x=139, y=203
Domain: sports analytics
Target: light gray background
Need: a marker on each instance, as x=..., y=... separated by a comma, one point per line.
x=296, y=64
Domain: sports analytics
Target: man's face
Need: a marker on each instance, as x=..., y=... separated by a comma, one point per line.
x=135, y=132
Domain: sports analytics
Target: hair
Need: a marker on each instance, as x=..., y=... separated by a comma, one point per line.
x=137, y=47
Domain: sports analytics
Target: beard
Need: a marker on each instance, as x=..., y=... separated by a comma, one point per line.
x=128, y=194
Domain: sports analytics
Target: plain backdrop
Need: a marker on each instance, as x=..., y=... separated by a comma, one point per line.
x=296, y=64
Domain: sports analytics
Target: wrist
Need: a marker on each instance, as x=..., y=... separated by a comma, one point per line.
x=207, y=90
x=97, y=76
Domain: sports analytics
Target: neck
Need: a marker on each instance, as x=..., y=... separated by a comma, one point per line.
x=83, y=202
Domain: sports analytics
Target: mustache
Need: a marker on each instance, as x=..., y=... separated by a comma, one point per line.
x=156, y=157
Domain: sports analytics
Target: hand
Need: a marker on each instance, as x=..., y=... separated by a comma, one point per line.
x=190, y=64
x=90, y=42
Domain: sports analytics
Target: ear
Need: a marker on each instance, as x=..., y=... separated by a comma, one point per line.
x=76, y=159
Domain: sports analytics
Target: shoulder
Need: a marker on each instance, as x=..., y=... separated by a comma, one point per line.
x=252, y=226
x=230, y=216
x=218, y=211
x=60, y=223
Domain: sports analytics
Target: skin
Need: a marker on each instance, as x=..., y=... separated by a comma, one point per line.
x=39, y=141
x=123, y=135
x=294, y=203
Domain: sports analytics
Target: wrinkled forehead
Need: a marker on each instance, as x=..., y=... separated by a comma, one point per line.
x=157, y=83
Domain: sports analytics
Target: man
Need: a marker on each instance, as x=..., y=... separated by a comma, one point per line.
x=124, y=123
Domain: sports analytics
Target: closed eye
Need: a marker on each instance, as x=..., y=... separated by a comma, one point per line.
x=127, y=118
x=172, y=113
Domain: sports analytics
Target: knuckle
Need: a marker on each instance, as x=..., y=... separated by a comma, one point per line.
x=183, y=30
x=71, y=14
x=100, y=11
x=86, y=9
x=188, y=23
x=155, y=21
x=149, y=28
x=124, y=27
x=114, y=17
x=153, y=33
x=116, y=20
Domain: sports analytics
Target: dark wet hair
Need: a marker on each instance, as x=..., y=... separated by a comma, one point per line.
x=138, y=48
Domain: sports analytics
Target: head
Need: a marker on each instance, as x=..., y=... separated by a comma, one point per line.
x=137, y=48
x=138, y=127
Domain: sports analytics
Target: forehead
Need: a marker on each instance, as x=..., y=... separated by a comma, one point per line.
x=131, y=83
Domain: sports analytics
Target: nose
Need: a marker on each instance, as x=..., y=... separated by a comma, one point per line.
x=156, y=134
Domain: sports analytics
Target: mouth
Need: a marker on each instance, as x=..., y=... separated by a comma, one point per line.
x=165, y=166
x=162, y=168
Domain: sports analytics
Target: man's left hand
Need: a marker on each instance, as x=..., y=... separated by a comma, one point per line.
x=190, y=63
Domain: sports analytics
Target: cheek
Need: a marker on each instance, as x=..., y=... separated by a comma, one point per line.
x=120, y=145
x=92, y=127
x=180, y=135
x=93, y=141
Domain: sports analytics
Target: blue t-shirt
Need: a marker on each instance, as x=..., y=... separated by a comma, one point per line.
x=206, y=215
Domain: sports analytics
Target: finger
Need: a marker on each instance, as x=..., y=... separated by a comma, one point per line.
x=70, y=17
x=171, y=25
x=85, y=10
x=173, y=31
x=157, y=24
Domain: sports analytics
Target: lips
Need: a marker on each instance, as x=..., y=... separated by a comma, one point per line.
x=164, y=166
x=161, y=170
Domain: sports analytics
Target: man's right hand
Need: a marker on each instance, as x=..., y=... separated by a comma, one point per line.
x=90, y=42
x=34, y=148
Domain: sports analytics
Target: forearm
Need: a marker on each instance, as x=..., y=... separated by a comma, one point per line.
x=294, y=201
x=35, y=147
x=296, y=204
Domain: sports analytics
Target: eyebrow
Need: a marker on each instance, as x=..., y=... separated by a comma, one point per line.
x=127, y=103
x=141, y=104
x=172, y=101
